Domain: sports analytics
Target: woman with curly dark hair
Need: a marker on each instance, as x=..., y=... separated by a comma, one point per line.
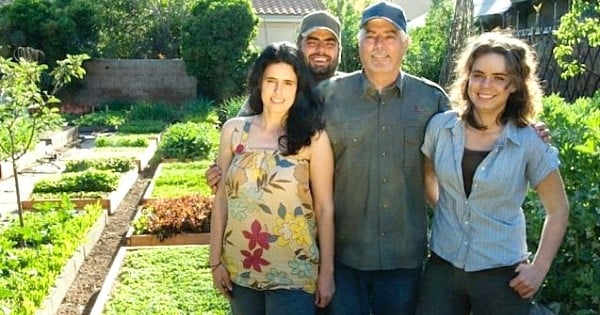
x=276, y=196
x=480, y=159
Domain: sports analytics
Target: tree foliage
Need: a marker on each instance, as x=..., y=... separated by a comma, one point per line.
x=429, y=42
x=25, y=109
x=217, y=47
x=141, y=28
x=349, y=14
x=54, y=27
x=581, y=25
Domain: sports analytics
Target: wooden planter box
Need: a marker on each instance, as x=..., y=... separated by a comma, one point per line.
x=110, y=203
x=176, y=239
x=51, y=304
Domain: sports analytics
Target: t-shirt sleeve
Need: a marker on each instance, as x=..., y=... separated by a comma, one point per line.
x=431, y=134
x=543, y=159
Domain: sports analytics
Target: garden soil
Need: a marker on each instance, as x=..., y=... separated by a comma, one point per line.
x=84, y=290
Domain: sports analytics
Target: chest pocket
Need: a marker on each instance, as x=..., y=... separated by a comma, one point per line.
x=413, y=138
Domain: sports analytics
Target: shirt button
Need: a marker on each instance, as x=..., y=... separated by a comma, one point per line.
x=383, y=128
x=466, y=243
x=383, y=154
x=354, y=140
x=382, y=234
x=385, y=206
x=467, y=222
x=483, y=168
x=385, y=180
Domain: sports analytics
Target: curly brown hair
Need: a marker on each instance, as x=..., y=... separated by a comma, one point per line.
x=521, y=65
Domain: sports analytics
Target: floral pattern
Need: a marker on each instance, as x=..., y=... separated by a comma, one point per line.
x=271, y=228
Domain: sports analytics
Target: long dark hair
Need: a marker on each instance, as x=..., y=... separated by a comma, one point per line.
x=304, y=117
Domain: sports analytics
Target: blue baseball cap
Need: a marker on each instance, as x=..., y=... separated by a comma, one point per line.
x=386, y=10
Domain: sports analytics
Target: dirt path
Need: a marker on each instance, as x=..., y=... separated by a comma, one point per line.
x=83, y=292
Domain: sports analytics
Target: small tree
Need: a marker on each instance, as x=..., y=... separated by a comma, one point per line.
x=429, y=42
x=349, y=14
x=216, y=45
x=25, y=109
x=580, y=24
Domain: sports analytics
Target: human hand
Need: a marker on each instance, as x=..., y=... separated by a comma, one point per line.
x=325, y=290
x=542, y=131
x=221, y=281
x=213, y=176
x=528, y=280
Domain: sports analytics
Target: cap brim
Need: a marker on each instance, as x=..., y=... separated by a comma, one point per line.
x=383, y=18
x=312, y=29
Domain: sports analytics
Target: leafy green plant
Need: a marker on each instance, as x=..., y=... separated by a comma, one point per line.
x=51, y=236
x=142, y=126
x=88, y=180
x=573, y=283
x=231, y=107
x=180, y=179
x=165, y=217
x=122, y=141
x=580, y=24
x=429, y=43
x=195, y=141
x=111, y=119
x=118, y=164
x=154, y=111
x=198, y=110
x=166, y=281
x=349, y=14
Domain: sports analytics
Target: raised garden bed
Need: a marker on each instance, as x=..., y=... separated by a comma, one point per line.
x=110, y=202
x=177, y=221
x=174, y=280
x=52, y=303
x=174, y=178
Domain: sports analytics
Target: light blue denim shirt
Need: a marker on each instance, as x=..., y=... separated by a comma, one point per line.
x=487, y=229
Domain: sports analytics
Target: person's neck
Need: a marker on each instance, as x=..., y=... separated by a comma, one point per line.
x=269, y=122
x=318, y=78
x=489, y=120
x=382, y=80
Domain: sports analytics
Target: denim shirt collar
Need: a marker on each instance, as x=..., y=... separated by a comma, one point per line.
x=508, y=134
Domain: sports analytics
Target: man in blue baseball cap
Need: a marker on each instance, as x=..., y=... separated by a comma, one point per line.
x=376, y=120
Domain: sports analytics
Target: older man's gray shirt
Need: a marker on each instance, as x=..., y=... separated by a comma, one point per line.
x=380, y=210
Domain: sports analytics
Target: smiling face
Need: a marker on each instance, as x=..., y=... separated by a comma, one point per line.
x=489, y=84
x=382, y=47
x=321, y=51
x=278, y=87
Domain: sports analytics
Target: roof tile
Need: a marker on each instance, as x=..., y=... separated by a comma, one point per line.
x=287, y=7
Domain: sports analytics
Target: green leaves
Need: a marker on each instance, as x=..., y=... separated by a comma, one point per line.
x=580, y=24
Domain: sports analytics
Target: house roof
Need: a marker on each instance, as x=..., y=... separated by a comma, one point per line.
x=287, y=7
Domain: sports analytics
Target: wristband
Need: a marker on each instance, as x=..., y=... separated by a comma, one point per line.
x=214, y=267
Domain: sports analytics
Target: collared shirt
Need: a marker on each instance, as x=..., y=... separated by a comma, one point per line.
x=380, y=212
x=487, y=229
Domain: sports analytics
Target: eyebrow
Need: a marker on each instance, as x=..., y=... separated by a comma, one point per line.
x=494, y=73
x=328, y=39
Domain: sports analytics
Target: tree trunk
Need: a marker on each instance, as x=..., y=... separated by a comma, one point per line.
x=462, y=29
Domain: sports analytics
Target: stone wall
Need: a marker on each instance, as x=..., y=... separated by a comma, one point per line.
x=133, y=79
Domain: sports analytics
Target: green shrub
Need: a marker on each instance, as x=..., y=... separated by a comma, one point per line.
x=196, y=141
x=119, y=165
x=109, y=119
x=573, y=283
x=231, y=107
x=143, y=126
x=153, y=111
x=198, y=110
x=116, y=105
x=88, y=180
x=218, y=36
x=429, y=42
x=122, y=141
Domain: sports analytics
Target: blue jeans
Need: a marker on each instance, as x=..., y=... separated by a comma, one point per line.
x=248, y=301
x=378, y=292
x=447, y=290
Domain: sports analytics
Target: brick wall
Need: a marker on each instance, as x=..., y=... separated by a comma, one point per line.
x=133, y=79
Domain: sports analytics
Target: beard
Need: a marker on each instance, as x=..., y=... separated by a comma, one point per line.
x=322, y=72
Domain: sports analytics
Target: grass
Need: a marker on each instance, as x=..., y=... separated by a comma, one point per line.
x=180, y=179
x=166, y=281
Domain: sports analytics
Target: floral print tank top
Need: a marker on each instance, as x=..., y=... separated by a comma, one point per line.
x=270, y=237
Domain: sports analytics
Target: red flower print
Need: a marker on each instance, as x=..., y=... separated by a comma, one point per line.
x=254, y=259
x=257, y=237
x=239, y=148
